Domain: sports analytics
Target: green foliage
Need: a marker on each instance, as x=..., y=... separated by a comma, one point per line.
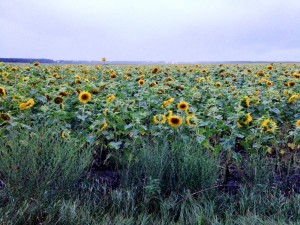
x=37, y=162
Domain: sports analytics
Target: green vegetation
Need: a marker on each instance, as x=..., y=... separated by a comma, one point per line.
x=149, y=145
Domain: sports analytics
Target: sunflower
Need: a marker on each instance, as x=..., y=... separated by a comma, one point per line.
x=298, y=123
x=36, y=64
x=159, y=119
x=103, y=59
x=4, y=117
x=269, y=83
x=191, y=121
x=174, y=121
x=84, y=97
x=104, y=126
x=245, y=102
x=153, y=84
x=169, y=79
x=95, y=91
x=62, y=93
x=155, y=70
x=168, y=102
x=183, y=106
x=2, y=92
x=248, y=119
x=239, y=125
x=293, y=98
x=26, y=105
x=110, y=99
x=291, y=83
x=65, y=134
x=58, y=100
x=268, y=125
x=113, y=76
x=269, y=67
x=141, y=82
x=218, y=84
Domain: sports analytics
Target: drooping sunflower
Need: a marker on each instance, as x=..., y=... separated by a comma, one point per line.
x=2, y=92
x=293, y=98
x=141, y=82
x=248, y=119
x=110, y=98
x=159, y=119
x=244, y=119
x=183, y=106
x=191, y=121
x=26, y=105
x=84, y=97
x=104, y=126
x=65, y=134
x=174, y=121
x=62, y=93
x=245, y=102
x=168, y=102
x=268, y=125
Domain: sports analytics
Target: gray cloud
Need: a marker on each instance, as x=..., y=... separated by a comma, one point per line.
x=178, y=30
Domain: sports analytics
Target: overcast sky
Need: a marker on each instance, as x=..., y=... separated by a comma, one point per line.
x=170, y=30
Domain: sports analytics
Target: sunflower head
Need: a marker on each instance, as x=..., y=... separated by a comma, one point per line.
x=269, y=83
x=141, y=82
x=4, y=117
x=65, y=134
x=62, y=93
x=26, y=105
x=58, y=100
x=269, y=67
x=218, y=84
x=84, y=97
x=191, y=121
x=159, y=119
x=245, y=102
x=113, y=76
x=293, y=98
x=103, y=59
x=248, y=119
x=110, y=98
x=298, y=123
x=268, y=125
x=155, y=70
x=244, y=119
x=291, y=83
x=183, y=106
x=2, y=92
x=104, y=126
x=36, y=64
x=168, y=102
x=174, y=121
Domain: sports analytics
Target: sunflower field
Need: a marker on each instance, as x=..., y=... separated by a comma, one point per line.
x=224, y=107
x=149, y=144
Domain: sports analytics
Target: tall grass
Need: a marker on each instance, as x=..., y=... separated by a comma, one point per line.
x=43, y=182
